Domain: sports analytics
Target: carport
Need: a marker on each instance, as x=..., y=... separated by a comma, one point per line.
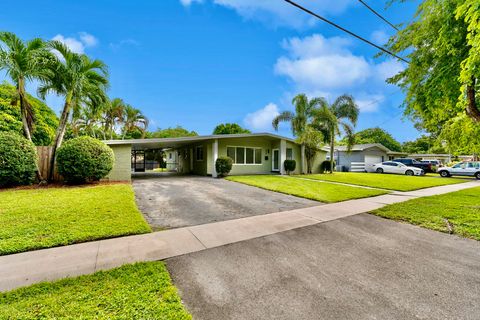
x=258, y=153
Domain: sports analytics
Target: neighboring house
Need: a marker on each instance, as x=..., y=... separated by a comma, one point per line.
x=362, y=156
x=256, y=153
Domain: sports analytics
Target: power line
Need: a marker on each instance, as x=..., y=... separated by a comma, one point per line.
x=378, y=14
x=345, y=30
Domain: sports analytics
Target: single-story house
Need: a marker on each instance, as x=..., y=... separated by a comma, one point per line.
x=362, y=156
x=257, y=153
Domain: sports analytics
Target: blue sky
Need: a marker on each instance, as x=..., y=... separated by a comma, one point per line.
x=199, y=63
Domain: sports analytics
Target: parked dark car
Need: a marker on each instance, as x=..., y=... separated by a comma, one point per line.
x=426, y=167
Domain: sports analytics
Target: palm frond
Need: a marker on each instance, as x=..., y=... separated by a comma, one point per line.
x=285, y=116
x=345, y=107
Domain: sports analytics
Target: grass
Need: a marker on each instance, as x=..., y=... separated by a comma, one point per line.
x=385, y=181
x=41, y=218
x=138, y=291
x=324, y=192
x=461, y=209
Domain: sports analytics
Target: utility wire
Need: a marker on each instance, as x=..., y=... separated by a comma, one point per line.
x=378, y=15
x=345, y=30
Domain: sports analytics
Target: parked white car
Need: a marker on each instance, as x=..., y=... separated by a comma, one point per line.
x=467, y=168
x=397, y=168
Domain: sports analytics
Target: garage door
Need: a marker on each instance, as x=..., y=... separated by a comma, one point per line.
x=369, y=159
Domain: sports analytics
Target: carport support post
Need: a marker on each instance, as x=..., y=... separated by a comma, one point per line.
x=302, y=151
x=283, y=155
x=214, y=157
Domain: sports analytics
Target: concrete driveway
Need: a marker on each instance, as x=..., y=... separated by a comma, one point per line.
x=360, y=267
x=172, y=201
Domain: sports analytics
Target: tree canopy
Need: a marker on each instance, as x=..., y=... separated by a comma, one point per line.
x=10, y=119
x=175, y=132
x=441, y=80
x=376, y=135
x=229, y=128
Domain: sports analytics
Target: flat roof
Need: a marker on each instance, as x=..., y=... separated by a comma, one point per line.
x=182, y=141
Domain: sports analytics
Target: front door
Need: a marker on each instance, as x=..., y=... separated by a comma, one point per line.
x=276, y=160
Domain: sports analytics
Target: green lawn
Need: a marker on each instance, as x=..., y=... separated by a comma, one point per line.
x=324, y=192
x=385, y=181
x=41, y=218
x=138, y=291
x=461, y=209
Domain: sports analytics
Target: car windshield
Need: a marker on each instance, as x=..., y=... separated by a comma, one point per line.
x=458, y=165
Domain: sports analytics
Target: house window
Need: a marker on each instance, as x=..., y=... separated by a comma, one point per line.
x=245, y=155
x=170, y=155
x=199, y=153
x=289, y=154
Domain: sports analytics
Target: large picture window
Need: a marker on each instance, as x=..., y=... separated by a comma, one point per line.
x=245, y=155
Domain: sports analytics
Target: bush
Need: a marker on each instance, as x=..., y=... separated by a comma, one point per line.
x=18, y=160
x=223, y=166
x=84, y=159
x=325, y=166
x=289, y=165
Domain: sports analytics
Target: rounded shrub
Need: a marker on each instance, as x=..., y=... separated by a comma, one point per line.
x=325, y=166
x=289, y=165
x=84, y=159
x=18, y=158
x=223, y=166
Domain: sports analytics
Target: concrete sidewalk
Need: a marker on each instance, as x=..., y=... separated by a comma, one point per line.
x=22, y=269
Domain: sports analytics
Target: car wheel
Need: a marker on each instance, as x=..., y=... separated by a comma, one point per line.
x=379, y=170
x=477, y=175
x=409, y=173
x=444, y=174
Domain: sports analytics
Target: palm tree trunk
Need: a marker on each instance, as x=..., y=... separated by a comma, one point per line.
x=62, y=125
x=26, y=128
x=332, y=147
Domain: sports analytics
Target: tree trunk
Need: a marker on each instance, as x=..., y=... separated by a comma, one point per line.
x=62, y=125
x=472, y=108
x=24, y=109
x=332, y=146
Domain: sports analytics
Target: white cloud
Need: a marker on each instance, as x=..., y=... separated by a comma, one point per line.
x=369, y=103
x=187, y=3
x=79, y=44
x=280, y=13
x=88, y=39
x=327, y=67
x=388, y=68
x=262, y=119
x=124, y=42
x=379, y=37
x=316, y=62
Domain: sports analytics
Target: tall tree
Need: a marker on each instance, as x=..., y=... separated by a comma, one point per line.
x=229, y=128
x=112, y=115
x=23, y=61
x=376, y=135
x=175, y=132
x=300, y=122
x=134, y=122
x=441, y=80
x=79, y=79
x=332, y=120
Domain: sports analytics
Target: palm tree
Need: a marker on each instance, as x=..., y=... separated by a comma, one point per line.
x=332, y=119
x=24, y=61
x=134, y=120
x=113, y=113
x=300, y=122
x=79, y=79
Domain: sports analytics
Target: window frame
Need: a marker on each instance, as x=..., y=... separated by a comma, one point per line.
x=196, y=153
x=292, y=157
x=245, y=155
